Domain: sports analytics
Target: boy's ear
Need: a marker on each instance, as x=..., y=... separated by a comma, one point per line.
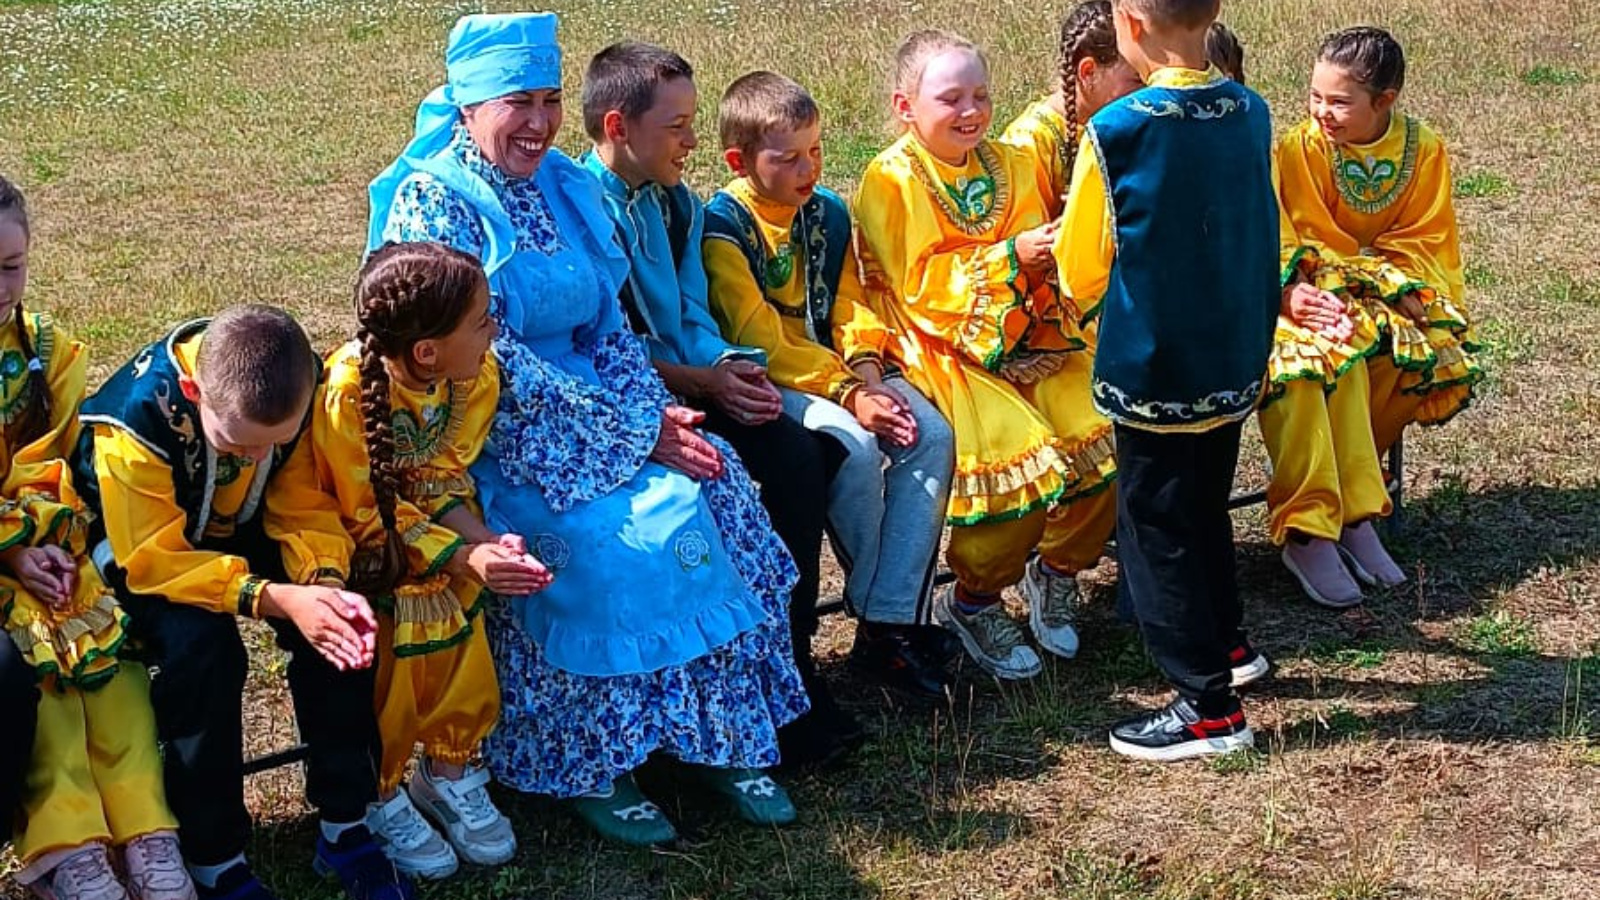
x=901, y=104
x=734, y=157
x=614, y=125
x=190, y=388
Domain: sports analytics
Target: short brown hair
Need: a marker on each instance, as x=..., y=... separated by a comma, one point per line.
x=256, y=362
x=1182, y=14
x=759, y=102
x=624, y=77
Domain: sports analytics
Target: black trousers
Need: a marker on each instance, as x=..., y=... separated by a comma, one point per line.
x=1175, y=550
x=793, y=466
x=19, y=702
x=197, y=690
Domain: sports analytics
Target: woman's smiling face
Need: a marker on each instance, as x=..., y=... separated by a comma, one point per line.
x=514, y=132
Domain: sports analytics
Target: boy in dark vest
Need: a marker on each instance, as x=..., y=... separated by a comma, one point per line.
x=176, y=453
x=1171, y=228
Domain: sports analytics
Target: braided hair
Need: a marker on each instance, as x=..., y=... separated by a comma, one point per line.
x=1086, y=33
x=35, y=418
x=405, y=293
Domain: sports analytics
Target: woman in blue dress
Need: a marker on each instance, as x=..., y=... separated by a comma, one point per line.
x=665, y=627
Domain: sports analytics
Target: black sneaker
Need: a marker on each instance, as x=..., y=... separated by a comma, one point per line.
x=890, y=655
x=1178, y=731
x=361, y=867
x=938, y=645
x=1248, y=665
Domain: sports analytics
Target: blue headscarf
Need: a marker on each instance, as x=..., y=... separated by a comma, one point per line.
x=488, y=56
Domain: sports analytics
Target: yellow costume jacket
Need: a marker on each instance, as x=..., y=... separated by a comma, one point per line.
x=437, y=435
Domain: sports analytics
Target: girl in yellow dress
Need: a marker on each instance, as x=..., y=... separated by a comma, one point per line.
x=380, y=499
x=955, y=238
x=1372, y=271
x=95, y=775
x=1092, y=74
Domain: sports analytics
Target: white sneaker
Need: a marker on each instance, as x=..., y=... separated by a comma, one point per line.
x=408, y=840
x=155, y=868
x=462, y=808
x=1052, y=608
x=990, y=637
x=84, y=875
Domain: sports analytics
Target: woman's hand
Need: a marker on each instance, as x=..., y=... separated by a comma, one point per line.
x=680, y=447
x=882, y=411
x=740, y=388
x=1034, y=247
x=47, y=572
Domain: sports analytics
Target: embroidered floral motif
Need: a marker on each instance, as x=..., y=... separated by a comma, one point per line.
x=551, y=550
x=1177, y=415
x=228, y=469
x=415, y=443
x=1190, y=109
x=692, y=550
x=13, y=368
x=1369, y=184
x=971, y=204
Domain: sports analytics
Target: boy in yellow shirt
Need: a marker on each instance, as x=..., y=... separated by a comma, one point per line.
x=783, y=277
x=177, y=452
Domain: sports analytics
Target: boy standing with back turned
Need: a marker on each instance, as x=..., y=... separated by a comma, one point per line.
x=1172, y=224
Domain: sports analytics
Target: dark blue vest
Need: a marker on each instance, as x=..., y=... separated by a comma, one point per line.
x=144, y=400
x=820, y=236
x=1187, y=319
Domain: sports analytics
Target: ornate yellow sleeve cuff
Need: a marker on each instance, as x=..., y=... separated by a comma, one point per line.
x=249, y=601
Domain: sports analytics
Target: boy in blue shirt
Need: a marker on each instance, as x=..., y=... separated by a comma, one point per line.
x=638, y=108
x=1171, y=227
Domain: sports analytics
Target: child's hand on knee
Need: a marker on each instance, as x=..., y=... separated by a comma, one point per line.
x=47, y=572
x=884, y=413
x=1311, y=307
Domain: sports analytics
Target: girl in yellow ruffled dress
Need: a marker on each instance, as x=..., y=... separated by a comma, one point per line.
x=1092, y=74
x=95, y=776
x=955, y=238
x=1373, y=334
x=379, y=499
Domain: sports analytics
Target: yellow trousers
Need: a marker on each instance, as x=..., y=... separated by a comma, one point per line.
x=95, y=773
x=990, y=556
x=1325, y=471
x=447, y=700
x=1392, y=409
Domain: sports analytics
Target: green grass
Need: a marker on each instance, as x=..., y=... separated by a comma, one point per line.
x=180, y=155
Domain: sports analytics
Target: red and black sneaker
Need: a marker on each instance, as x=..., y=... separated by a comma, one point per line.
x=1178, y=731
x=1248, y=665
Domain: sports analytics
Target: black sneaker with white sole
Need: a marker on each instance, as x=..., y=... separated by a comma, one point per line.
x=1247, y=665
x=1178, y=731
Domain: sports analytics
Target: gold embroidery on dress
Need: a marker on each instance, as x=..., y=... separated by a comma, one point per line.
x=961, y=212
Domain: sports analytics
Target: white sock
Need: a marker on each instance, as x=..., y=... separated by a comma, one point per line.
x=206, y=876
x=332, y=831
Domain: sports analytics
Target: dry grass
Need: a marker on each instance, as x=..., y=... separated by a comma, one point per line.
x=1440, y=744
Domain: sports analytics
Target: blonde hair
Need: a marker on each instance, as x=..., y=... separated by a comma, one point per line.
x=758, y=103
x=911, y=58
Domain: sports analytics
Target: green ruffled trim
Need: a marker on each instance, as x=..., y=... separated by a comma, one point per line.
x=1000, y=355
x=76, y=679
x=444, y=556
x=1292, y=267
x=406, y=651
x=1475, y=375
x=1277, y=389
x=1092, y=314
x=25, y=533
x=1404, y=289
x=1010, y=515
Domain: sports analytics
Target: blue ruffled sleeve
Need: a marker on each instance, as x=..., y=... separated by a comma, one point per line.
x=425, y=209
x=573, y=440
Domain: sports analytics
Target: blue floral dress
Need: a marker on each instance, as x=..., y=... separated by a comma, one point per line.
x=666, y=625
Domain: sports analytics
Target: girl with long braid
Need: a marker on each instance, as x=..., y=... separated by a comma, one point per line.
x=1092, y=74
x=379, y=499
x=94, y=780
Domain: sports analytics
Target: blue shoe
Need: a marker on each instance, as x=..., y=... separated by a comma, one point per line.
x=361, y=867
x=237, y=883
